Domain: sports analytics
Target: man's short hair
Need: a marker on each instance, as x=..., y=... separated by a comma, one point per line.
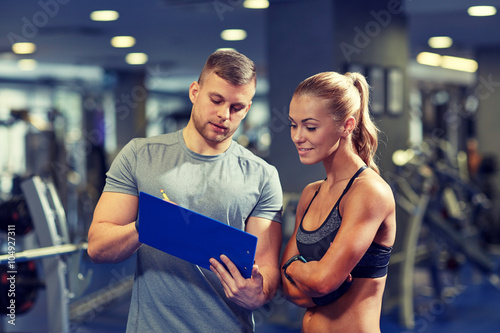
x=231, y=66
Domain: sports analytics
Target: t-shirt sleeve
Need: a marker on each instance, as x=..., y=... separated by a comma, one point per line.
x=270, y=205
x=121, y=175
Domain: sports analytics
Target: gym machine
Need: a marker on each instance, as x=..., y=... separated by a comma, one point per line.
x=443, y=214
x=61, y=260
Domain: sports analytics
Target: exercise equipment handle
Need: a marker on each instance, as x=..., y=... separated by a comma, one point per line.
x=43, y=252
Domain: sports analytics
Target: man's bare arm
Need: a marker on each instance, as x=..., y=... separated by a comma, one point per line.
x=112, y=234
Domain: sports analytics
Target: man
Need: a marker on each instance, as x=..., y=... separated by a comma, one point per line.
x=203, y=169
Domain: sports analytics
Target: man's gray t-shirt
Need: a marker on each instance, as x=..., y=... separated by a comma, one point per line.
x=170, y=294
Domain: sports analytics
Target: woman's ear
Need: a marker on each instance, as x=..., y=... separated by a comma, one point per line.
x=349, y=126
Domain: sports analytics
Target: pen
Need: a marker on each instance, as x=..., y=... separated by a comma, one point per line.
x=164, y=195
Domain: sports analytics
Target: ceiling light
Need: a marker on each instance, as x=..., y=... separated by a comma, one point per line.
x=482, y=11
x=440, y=42
x=233, y=34
x=27, y=64
x=448, y=62
x=429, y=59
x=459, y=64
x=23, y=48
x=136, y=58
x=123, y=41
x=256, y=4
x=104, y=15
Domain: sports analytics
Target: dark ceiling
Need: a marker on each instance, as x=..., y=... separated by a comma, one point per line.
x=428, y=18
x=178, y=35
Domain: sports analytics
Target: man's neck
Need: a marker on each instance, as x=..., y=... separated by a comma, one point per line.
x=198, y=144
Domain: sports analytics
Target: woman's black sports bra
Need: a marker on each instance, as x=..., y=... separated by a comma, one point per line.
x=312, y=245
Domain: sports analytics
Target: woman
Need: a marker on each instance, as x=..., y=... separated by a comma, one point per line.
x=335, y=263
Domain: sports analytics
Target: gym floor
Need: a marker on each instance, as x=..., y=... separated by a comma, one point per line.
x=472, y=306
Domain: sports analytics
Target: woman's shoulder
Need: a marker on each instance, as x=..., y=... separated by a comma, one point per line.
x=311, y=188
x=308, y=192
x=371, y=185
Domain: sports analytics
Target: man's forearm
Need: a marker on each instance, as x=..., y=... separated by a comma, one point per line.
x=271, y=282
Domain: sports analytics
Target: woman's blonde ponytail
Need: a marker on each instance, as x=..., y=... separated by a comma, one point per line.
x=365, y=136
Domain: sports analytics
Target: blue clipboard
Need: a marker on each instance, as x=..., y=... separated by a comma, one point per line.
x=191, y=236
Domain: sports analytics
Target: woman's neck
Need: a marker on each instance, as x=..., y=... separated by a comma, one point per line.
x=343, y=163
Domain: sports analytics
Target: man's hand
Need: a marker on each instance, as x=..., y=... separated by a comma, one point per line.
x=247, y=293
